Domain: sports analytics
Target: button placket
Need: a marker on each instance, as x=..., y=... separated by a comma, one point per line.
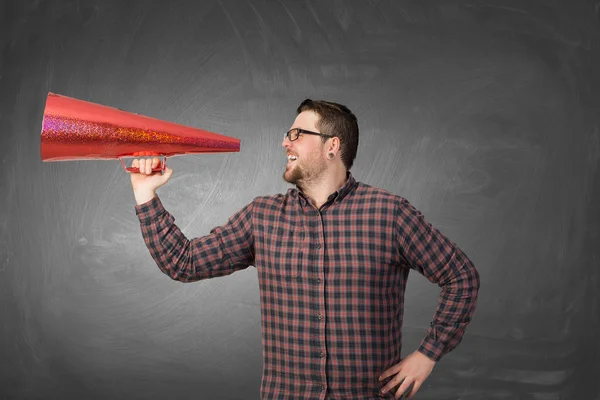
x=321, y=290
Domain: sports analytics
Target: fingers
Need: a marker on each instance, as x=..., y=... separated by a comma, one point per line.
x=148, y=168
x=401, y=387
x=394, y=383
x=141, y=164
x=413, y=389
x=391, y=371
x=146, y=165
x=405, y=390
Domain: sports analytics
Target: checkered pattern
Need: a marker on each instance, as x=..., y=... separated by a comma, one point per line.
x=331, y=283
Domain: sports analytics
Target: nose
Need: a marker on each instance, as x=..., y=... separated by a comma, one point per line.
x=286, y=142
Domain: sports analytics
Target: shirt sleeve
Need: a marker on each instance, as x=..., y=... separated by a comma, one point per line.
x=226, y=249
x=433, y=255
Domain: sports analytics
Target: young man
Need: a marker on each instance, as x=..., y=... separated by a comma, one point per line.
x=332, y=257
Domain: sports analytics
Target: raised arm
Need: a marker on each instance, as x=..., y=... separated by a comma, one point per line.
x=226, y=249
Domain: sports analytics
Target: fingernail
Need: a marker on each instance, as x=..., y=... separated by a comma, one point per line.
x=383, y=390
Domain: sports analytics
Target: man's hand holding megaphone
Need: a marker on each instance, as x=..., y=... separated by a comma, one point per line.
x=146, y=181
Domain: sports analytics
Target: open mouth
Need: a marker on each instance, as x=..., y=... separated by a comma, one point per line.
x=291, y=158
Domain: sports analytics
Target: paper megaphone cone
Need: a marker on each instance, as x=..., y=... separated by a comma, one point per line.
x=74, y=129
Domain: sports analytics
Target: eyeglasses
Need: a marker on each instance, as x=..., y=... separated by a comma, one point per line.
x=294, y=134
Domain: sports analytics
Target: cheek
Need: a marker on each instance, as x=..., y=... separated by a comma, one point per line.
x=315, y=156
x=309, y=160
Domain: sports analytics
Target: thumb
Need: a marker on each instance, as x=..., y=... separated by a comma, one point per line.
x=167, y=174
x=159, y=180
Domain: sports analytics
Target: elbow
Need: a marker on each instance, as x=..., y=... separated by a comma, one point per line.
x=176, y=274
x=469, y=279
x=472, y=283
x=180, y=269
x=465, y=282
x=178, y=277
x=475, y=278
x=184, y=275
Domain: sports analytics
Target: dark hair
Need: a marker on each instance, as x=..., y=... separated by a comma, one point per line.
x=337, y=120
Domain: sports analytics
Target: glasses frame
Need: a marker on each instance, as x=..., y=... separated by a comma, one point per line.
x=300, y=130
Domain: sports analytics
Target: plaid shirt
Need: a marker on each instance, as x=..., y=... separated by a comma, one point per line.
x=331, y=283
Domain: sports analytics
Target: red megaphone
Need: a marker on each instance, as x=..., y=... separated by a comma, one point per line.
x=74, y=129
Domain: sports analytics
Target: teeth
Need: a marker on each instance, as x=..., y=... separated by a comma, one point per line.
x=292, y=158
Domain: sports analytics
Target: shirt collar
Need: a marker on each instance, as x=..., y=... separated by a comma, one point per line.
x=338, y=195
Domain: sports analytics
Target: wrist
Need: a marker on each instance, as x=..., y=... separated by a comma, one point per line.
x=143, y=196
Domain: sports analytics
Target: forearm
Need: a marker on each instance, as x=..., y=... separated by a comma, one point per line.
x=455, y=309
x=226, y=249
x=168, y=246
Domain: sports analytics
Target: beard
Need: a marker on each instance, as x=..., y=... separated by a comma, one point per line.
x=302, y=174
x=294, y=175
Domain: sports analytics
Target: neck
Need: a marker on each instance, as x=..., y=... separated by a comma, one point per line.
x=319, y=190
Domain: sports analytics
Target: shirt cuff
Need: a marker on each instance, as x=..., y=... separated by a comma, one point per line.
x=149, y=211
x=432, y=348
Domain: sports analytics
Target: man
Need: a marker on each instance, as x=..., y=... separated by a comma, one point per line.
x=332, y=257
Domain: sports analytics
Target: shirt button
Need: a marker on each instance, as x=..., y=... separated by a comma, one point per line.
x=322, y=354
x=322, y=387
x=318, y=280
x=320, y=316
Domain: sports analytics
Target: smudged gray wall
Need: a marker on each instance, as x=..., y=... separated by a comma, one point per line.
x=482, y=113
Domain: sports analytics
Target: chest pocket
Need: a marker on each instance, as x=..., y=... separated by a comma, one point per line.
x=284, y=249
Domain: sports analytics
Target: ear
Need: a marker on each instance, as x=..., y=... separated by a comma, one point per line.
x=334, y=145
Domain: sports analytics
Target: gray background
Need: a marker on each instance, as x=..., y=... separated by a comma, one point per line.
x=482, y=113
